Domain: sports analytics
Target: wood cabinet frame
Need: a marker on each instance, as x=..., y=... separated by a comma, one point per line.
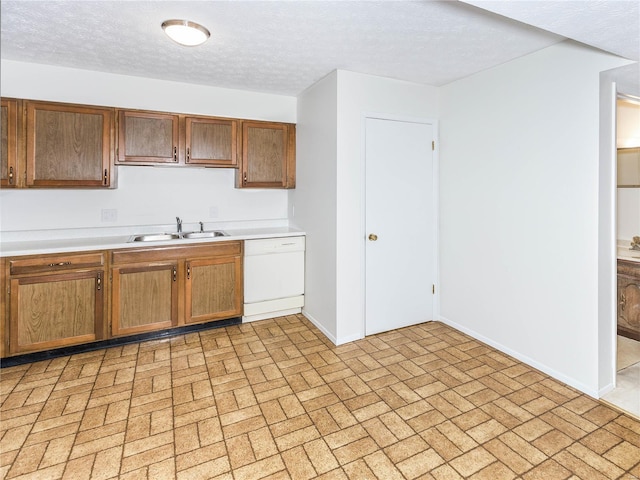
x=22, y=157
x=182, y=140
x=178, y=261
x=191, y=159
x=11, y=123
x=283, y=161
x=171, y=268
x=628, y=319
x=235, y=262
x=106, y=152
x=172, y=158
x=19, y=273
x=183, y=259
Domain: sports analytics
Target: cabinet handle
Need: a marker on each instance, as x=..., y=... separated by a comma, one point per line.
x=623, y=301
x=99, y=282
x=188, y=272
x=10, y=175
x=245, y=178
x=105, y=177
x=188, y=154
x=175, y=154
x=175, y=274
x=61, y=264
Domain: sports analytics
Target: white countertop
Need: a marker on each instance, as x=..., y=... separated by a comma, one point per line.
x=625, y=253
x=38, y=243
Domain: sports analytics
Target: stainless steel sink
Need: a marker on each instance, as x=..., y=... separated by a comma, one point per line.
x=210, y=234
x=158, y=237
x=154, y=237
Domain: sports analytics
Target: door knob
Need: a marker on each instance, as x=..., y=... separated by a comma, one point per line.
x=373, y=237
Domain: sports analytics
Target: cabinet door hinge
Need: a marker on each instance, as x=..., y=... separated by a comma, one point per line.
x=433, y=144
x=433, y=288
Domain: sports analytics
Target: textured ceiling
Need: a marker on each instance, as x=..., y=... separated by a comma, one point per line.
x=281, y=46
x=612, y=26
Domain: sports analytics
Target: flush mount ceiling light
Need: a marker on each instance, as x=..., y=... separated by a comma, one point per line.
x=185, y=32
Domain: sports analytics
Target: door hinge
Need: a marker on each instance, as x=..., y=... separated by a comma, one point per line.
x=433, y=144
x=433, y=288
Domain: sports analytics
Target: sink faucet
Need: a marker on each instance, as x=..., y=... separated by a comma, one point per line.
x=201, y=226
x=179, y=222
x=635, y=243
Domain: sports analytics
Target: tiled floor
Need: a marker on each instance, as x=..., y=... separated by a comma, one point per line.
x=628, y=352
x=275, y=399
x=626, y=395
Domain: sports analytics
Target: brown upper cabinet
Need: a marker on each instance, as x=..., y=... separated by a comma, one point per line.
x=211, y=141
x=68, y=145
x=268, y=155
x=149, y=138
x=8, y=164
x=46, y=144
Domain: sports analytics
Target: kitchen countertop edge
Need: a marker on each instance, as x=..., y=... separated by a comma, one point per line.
x=119, y=242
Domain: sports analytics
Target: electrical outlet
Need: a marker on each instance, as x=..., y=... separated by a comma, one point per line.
x=109, y=214
x=213, y=212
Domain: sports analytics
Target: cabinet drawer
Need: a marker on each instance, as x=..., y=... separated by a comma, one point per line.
x=629, y=269
x=54, y=263
x=157, y=254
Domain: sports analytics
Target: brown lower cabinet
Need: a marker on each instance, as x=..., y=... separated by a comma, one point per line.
x=144, y=298
x=213, y=288
x=629, y=299
x=164, y=287
x=55, y=301
x=60, y=300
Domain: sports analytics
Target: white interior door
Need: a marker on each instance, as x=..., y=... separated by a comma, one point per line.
x=400, y=224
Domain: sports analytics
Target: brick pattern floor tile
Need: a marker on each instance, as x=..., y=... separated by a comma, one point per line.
x=276, y=400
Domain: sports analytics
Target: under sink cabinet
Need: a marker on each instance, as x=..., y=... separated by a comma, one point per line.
x=162, y=287
x=629, y=299
x=55, y=301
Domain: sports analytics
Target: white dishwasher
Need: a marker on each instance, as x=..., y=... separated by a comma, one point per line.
x=273, y=277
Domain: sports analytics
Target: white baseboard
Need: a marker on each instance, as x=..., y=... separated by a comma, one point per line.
x=272, y=308
x=523, y=358
x=606, y=389
x=277, y=313
x=319, y=326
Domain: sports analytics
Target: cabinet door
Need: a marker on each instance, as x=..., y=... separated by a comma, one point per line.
x=144, y=298
x=629, y=306
x=57, y=310
x=213, y=288
x=211, y=141
x=68, y=145
x=148, y=138
x=9, y=154
x=268, y=155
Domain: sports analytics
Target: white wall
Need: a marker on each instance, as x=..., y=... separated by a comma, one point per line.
x=313, y=202
x=329, y=198
x=519, y=212
x=628, y=213
x=145, y=195
x=628, y=136
x=359, y=94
